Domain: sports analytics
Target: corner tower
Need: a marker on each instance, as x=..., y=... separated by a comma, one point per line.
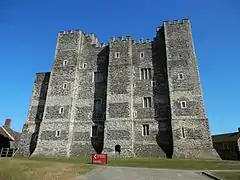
x=190, y=127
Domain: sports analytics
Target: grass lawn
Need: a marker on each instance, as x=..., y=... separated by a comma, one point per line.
x=26, y=169
x=228, y=175
x=43, y=168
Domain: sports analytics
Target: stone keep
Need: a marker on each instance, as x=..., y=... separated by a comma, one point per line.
x=126, y=98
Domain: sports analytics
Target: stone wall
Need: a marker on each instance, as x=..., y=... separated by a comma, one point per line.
x=119, y=114
x=60, y=102
x=191, y=135
x=30, y=130
x=97, y=85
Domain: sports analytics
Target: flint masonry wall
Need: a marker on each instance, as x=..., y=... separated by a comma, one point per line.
x=120, y=115
x=191, y=135
x=94, y=58
x=64, y=71
x=119, y=127
x=30, y=130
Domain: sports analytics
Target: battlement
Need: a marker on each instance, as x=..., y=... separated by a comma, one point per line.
x=129, y=38
x=70, y=31
x=183, y=21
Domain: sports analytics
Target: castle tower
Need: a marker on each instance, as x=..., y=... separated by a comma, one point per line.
x=30, y=131
x=56, y=130
x=191, y=135
x=119, y=127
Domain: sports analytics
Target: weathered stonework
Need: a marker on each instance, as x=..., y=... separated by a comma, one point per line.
x=99, y=98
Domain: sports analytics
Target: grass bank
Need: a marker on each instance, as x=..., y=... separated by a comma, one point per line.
x=228, y=175
x=30, y=169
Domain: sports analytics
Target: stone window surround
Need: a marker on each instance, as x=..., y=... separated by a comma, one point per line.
x=65, y=85
x=134, y=113
x=153, y=83
x=57, y=133
x=61, y=110
x=117, y=54
x=84, y=65
x=180, y=76
x=141, y=55
x=145, y=73
x=183, y=132
x=145, y=130
x=183, y=104
x=65, y=62
x=94, y=132
x=147, y=102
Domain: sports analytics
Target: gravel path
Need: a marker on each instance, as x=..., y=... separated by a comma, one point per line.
x=129, y=173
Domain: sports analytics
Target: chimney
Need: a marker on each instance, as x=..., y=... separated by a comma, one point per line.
x=7, y=123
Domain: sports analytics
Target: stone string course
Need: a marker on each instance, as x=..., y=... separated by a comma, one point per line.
x=173, y=131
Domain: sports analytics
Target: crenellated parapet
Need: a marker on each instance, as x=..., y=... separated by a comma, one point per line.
x=183, y=21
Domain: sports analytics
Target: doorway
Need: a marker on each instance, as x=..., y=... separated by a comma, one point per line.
x=118, y=148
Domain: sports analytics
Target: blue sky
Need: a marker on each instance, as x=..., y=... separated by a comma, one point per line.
x=29, y=30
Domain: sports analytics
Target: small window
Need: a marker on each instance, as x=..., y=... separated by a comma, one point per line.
x=183, y=104
x=40, y=115
x=100, y=58
x=153, y=83
x=180, y=76
x=147, y=102
x=57, y=133
x=134, y=113
x=145, y=73
x=94, y=131
x=61, y=110
x=142, y=55
x=64, y=85
x=117, y=54
x=65, y=62
x=35, y=138
x=84, y=65
x=145, y=130
x=183, y=133
x=98, y=76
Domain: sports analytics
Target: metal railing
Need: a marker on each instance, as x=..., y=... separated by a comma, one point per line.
x=8, y=152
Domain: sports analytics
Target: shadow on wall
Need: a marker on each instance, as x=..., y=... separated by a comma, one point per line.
x=100, y=99
x=39, y=114
x=162, y=110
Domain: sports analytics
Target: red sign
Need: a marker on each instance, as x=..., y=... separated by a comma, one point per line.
x=99, y=158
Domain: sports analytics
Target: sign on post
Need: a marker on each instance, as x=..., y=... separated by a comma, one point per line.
x=99, y=158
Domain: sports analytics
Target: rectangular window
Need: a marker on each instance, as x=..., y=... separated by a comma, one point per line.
x=142, y=55
x=117, y=54
x=147, y=102
x=98, y=76
x=94, y=131
x=145, y=130
x=97, y=105
x=183, y=133
x=183, y=104
x=145, y=73
x=61, y=110
x=84, y=65
x=40, y=115
x=65, y=62
x=64, y=85
x=180, y=76
x=153, y=83
x=101, y=58
x=134, y=113
x=57, y=133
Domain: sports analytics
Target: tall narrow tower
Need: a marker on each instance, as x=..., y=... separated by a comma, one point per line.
x=119, y=117
x=191, y=135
